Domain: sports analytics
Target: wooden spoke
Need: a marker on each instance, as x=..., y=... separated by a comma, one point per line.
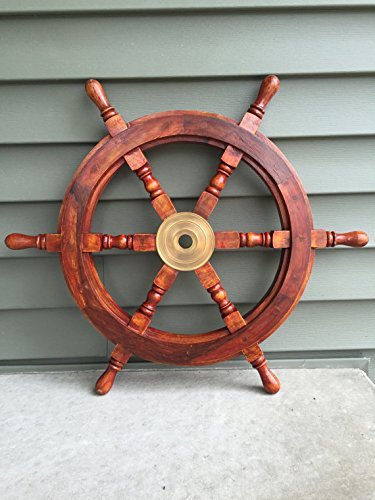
x=232, y=156
x=162, y=283
x=139, y=242
x=235, y=239
x=224, y=240
x=119, y=357
x=256, y=357
x=135, y=159
x=320, y=238
x=91, y=242
x=160, y=200
x=211, y=282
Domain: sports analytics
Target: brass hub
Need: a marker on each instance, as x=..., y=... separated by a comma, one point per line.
x=190, y=226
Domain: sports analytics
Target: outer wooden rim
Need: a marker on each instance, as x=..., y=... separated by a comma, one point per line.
x=86, y=287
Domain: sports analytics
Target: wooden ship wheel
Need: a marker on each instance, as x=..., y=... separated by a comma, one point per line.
x=126, y=146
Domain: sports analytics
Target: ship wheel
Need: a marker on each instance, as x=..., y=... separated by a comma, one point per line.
x=126, y=144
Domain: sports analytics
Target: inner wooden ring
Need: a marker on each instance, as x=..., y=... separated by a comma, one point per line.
x=91, y=296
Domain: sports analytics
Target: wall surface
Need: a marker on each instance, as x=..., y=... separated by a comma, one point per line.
x=157, y=55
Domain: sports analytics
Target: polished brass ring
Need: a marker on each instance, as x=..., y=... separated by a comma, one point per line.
x=168, y=241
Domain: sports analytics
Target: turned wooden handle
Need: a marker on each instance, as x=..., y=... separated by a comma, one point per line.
x=270, y=85
x=95, y=91
x=256, y=357
x=270, y=382
x=18, y=241
x=351, y=239
x=119, y=357
x=106, y=380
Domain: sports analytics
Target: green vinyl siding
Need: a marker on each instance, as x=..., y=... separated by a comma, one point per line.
x=153, y=56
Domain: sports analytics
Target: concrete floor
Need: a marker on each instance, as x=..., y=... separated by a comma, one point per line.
x=177, y=434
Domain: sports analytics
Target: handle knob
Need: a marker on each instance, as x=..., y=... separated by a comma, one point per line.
x=18, y=241
x=270, y=85
x=95, y=91
x=106, y=380
x=351, y=239
x=270, y=382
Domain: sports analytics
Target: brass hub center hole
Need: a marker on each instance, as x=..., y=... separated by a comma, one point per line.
x=185, y=241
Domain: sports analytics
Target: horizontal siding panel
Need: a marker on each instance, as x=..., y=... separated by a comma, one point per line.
x=65, y=333
x=326, y=326
x=325, y=165
x=8, y=7
x=38, y=283
x=312, y=326
x=48, y=334
x=149, y=46
x=340, y=213
x=35, y=283
x=304, y=107
x=246, y=277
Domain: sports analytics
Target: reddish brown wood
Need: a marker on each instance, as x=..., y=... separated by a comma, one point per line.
x=256, y=357
x=227, y=239
x=257, y=239
x=235, y=239
x=139, y=242
x=156, y=345
x=135, y=159
x=95, y=91
x=162, y=283
x=211, y=282
x=232, y=156
x=119, y=357
x=46, y=241
x=324, y=238
x=320, y=238
x=143, y=242
x=113, y=121
x=270, y=85
x=163, y=206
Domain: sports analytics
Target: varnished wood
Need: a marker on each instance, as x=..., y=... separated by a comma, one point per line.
x=95, y=91
x=232, y=156
x=320, y=238
x=91, y=242
x=163, y=206
x=135, y=159
x=227, y=239
x=211, y=282
x=113, y=121
x=47, y=241
x=119, y=357
x=224, y=240
x=95, y=300
x=162, y=283
x=146, y=242
x=270, y=85
x=96, y=242
x=256, y=357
